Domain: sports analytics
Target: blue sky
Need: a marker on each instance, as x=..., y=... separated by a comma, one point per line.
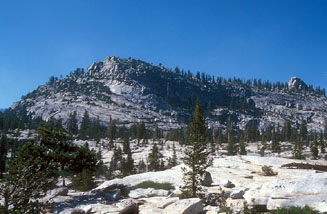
x=271, y=39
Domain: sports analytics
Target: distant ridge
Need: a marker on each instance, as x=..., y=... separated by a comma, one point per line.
x=132, y=91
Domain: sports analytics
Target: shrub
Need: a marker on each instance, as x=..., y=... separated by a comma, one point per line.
x=267, y=171
x=154, y=185
x=295, y=210
x=83, y=181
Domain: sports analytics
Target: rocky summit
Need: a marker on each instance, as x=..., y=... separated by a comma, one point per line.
x=132, y=91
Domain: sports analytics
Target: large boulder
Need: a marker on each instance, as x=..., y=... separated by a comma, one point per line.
x=207, y=179
x=238, y=193
x=62, y=191
x=300, y=191
x=146, y=193
x=185, y=206
x=229, y=184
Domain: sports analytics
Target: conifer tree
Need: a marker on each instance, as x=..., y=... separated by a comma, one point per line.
x=154, y=159
x=111, y=132
x=231, y=147
x=3, y=154
x=84, y=131
x=72, y=126
x=173, y=160
x=141, y=166
x=314, y=147
x=29, y=177
x=322, y=143
x=298, y=148
x=275, y=146
x=128, y=164
x=196, y=155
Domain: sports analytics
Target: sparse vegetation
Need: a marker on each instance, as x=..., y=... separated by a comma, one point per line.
x=154, y=185
x=268, y=171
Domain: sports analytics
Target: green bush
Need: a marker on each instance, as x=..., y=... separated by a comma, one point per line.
x=295, y=210
x=267, y=171
x=154, y=185
x=83, y=181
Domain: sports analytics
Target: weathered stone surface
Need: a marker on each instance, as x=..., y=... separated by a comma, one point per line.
x=185, y=206
x=146, y=193
x=62, y=191
x=207, y=179
x=229, y=184
x=238, y=194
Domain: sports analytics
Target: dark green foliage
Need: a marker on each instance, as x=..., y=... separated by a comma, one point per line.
x=154, y=159
x=3, y=154
x=141, y=166
x=196, y=155
x=30, y=176
x=60, y=147
x=84, y=159
x=314, y=147
x=128, y=164
x=83, y=181
x=85, y=128
x=72, y=126
x=295, y=210
x=154, y=185
x=268, y=171
x=141, y=131
x=231, y=146
x=172, y=161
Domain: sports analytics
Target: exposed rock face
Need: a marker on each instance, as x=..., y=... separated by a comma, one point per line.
x=132, y=90
x=207, y=179
x=185, y=206
x=297, y=84
x=146, y=193
x=311, y=191
x=62, y=191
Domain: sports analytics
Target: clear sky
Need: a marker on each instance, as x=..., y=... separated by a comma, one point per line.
x=269, y=39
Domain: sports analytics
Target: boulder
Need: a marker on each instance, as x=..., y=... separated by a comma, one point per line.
x=130, y=207
x=207, y=179
x=112, y=195
x=229, y=184
x=146, y=193
x=62, y=191
x=185, y=206
x=300, y=191
x=238, y=194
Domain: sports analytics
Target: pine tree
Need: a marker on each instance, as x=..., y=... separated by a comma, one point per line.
x=196, y=156
x=128, y=164
x=84, y=131
x=141, y=166
x=126, y=145
x=173, y=160
x=231, y=147
x=154, y=159
x=275, y=146
x=3, y=154
x=29, y=177
x=72, y=126
x=322, y=143
x=314, y=147
x=298, y=148
x=111, y=132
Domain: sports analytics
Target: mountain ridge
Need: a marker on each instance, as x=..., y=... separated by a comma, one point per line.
x=133, y=91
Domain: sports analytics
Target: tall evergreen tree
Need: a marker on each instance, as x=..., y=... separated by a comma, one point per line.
x=111, y=132
x=72, y=126
x=314, y=147
x=196, y=155
x=29, y=177
x=154, y=159
x=172, y=161
x=84, y=131
x=231, y=147
x=3, y=154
